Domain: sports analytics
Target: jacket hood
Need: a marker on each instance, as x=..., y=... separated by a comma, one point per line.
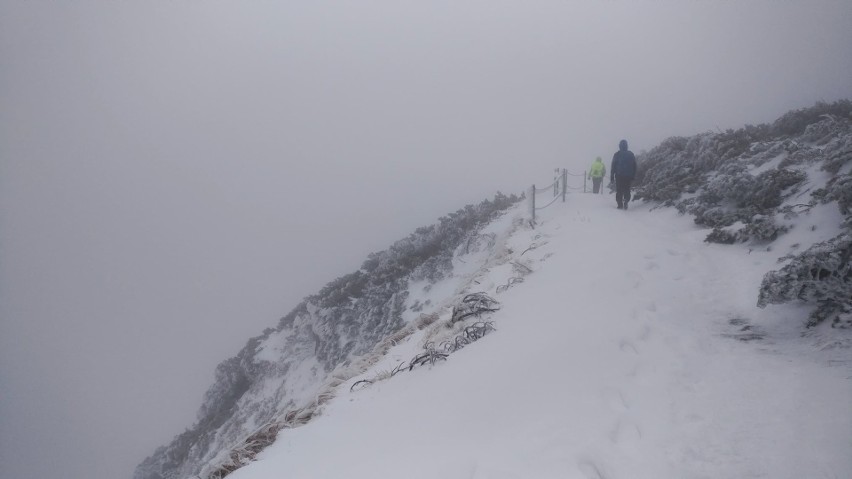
x=622, y=145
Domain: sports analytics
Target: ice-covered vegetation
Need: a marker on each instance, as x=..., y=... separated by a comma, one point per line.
x=821, y=275
x=752, y=185
x=281, y=371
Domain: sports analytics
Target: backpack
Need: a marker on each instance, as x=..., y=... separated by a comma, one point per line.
x=625, y=164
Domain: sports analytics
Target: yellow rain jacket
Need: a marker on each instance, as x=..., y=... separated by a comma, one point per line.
x=598, y=170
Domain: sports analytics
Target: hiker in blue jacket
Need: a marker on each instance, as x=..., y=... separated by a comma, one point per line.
x=622, y=170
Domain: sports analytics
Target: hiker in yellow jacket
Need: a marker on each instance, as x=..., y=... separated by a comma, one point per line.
x=596, y=174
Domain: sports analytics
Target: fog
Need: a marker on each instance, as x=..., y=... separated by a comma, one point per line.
x=176, y=176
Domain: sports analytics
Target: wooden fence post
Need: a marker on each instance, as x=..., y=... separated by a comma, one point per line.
x=533, y=202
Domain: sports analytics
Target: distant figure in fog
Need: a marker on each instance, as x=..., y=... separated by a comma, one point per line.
x=622, y=171
x=596, y=174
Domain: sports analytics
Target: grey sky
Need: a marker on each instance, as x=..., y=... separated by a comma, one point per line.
x=175, y=176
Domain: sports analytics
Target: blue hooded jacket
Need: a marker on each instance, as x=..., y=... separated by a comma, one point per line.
x=623, y=163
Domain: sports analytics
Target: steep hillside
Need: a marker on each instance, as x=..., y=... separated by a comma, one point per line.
x=284, y=370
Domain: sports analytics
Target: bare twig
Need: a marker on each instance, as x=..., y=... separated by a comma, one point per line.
x=431, y=356
x=363, y=382
x=511, y=282
x=522, y=266
x=474, y=305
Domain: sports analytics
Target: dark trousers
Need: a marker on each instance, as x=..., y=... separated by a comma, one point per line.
x=622, y=190
x=596, y=185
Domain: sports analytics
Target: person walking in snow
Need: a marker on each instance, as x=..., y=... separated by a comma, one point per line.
x=622, y=170
x=596, y=174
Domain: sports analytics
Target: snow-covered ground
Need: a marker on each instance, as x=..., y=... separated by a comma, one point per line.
x=633, y=350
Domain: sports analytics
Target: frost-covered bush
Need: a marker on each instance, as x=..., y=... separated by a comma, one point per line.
x=681, y=166
x=475, y=304
x=430, y=357
x=470, y=334
x=427, y=253
x=714, y=216
x=761, y=229
x=731, y=184
x=750, y=184
x=721, y=236
x=734, y=195
x=366, y=305
x=675, y=167
x=797, y=122
x=837, y=154
x=838, y=189
x=821, y=275
x=772, y=187
x=726, y=179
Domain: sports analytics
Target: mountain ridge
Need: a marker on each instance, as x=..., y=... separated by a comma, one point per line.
x=736, y=182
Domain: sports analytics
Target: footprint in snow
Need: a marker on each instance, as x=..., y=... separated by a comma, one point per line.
x=614, y=398
x=636, y=278
x=644, y=332
x=637, y=368
x=590, y=469
x=625, y=431
x=743, y=330
x=628, y=346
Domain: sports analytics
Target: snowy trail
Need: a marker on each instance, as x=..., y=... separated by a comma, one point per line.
x=618, y=358
x=707, y=405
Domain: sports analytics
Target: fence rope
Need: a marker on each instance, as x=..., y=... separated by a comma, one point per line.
x=551, y=202
x=546, y=188
x=559, y=187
